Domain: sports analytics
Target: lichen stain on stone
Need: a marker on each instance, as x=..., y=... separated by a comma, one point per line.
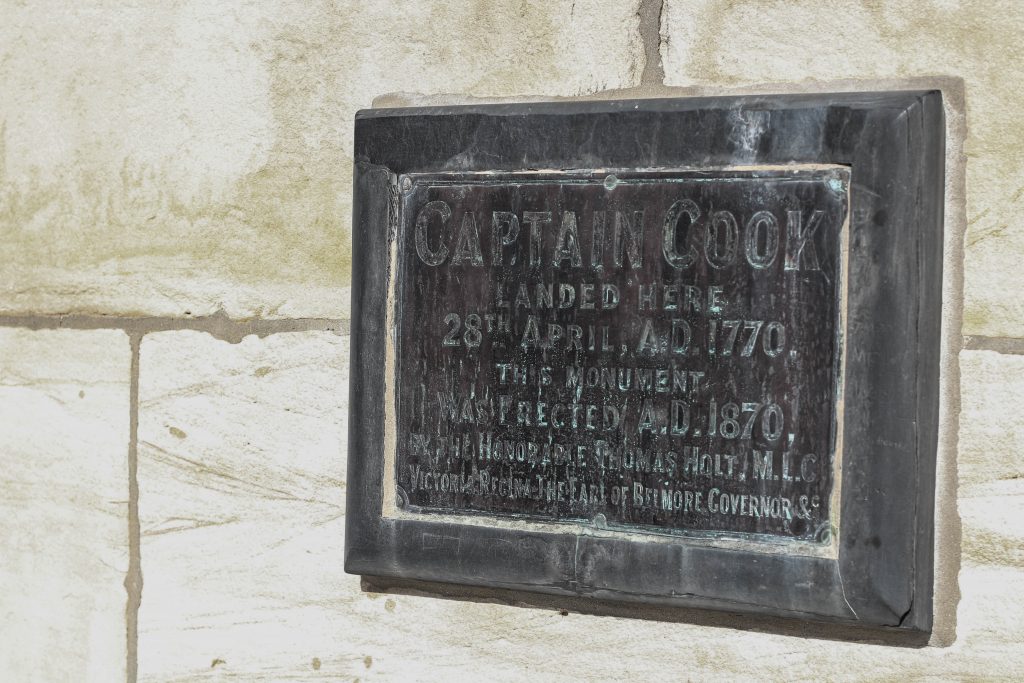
x=367, y=661
x=316, y=663
x=985, y=547
x=298, y=202
x=517, y=60
x=177, y=433
x=86, y=215
x=286, y=221
x=389, y=605
x=976, y=317
x=154, y=215
x=703, y=63
x=298, y=216
x=263, y=371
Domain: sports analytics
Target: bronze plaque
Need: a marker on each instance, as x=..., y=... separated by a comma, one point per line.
x=652, y=351
x=683, y=352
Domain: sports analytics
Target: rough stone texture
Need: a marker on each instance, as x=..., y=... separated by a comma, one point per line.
x=991, y=469
x=63, y=504
x=242, y=500
x=801, y=44
x=178, y=158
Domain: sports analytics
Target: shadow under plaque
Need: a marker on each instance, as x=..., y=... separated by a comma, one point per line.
x=680, y=353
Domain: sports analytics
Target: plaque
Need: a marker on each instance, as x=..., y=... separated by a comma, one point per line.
x=672, y=351
x=660, y=350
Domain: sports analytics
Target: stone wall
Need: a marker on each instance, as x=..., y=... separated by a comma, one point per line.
x=174, y=208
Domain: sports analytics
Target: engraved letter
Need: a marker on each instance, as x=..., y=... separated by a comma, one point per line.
x=721, y=249
x=499, y=240
x=566, y=295
x=633, y=231
x=809, y=467
x=534, y=220
x=597, y=246
x=467, y=246
x=648, y=339
x=567, y=246
x=800, y=252
x=682, y=334
x=647, y=296
x=609, y=296
x=680, y=418
x=669, y=237
x=432, y=258
x=762, y=221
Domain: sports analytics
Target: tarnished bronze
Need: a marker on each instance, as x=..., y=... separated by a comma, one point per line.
x=659, y=351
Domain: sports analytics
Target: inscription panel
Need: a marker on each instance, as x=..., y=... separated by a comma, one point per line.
x=652, y=351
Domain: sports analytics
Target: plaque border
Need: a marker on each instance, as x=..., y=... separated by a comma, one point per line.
x=894, y=144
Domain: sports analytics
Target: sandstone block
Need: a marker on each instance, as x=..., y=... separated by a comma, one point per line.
x=63, y=504
x=241, y=500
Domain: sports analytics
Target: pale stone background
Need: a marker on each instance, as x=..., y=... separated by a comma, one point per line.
x=174, y=208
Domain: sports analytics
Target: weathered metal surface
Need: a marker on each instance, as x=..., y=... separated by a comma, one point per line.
x=653, y=350
x=856, y=381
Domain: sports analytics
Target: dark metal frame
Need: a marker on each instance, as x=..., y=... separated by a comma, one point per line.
x=893, y=143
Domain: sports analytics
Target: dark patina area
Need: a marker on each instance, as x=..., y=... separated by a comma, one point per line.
x=651, y=350
x=878, y=571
